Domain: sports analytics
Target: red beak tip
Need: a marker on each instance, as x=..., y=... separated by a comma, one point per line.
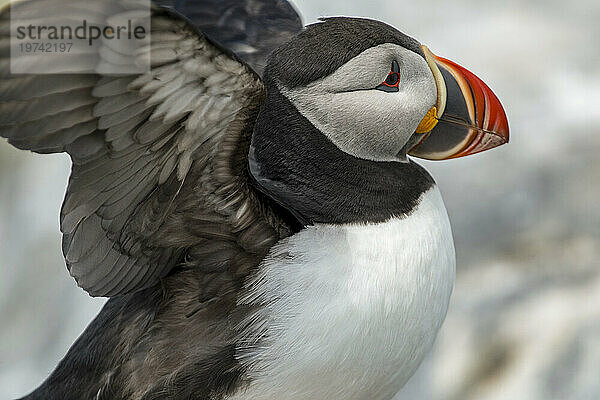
x=488, y=114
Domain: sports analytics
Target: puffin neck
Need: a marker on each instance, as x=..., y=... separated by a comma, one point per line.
x=298, y=167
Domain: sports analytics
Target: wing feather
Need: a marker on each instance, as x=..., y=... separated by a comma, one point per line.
x=251, y=29
x=134, y=142
x=159, y=190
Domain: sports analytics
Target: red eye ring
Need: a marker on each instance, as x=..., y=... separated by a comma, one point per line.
x=392, y=81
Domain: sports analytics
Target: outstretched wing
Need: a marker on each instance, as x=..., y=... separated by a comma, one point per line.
x=148, y=151
x=249, y=28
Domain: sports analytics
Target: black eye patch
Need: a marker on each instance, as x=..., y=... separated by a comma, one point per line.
x=392, y=81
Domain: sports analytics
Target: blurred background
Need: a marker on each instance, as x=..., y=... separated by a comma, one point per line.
x=524, y=322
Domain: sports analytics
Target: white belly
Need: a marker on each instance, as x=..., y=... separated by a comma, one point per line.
x=349, y=311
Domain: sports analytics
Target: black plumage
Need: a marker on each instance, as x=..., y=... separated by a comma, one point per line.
x=251, y=28
x=320, y=182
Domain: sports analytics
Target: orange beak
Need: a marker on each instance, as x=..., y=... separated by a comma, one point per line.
x=468, y=117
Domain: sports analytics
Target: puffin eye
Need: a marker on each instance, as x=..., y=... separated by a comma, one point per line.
x=393, y=79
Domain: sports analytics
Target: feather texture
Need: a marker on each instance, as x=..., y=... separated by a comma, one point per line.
x=159, y=213
x=128, y=137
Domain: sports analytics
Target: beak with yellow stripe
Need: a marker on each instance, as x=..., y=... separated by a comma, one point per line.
x=467, y=118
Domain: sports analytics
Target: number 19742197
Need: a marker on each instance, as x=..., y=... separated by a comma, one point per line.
x=38, y=47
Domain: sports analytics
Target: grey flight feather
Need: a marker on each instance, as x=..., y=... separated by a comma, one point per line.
x=133, y=141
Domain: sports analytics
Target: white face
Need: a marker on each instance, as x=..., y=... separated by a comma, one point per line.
x=360, y=119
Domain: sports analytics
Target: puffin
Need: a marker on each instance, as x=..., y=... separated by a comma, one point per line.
x=250, y=203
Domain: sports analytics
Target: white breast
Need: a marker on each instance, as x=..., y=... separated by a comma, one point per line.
x=349, y=311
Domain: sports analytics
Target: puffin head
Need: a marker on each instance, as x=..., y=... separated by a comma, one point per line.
x=378, y=94
x=353, y=94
